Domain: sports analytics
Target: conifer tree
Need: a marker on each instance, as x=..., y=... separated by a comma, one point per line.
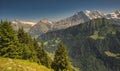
x=61, y=61
x=24, y=37
x=8, y=41
x=42, y=55
x=26, y=41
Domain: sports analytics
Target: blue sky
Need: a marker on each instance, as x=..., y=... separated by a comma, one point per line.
x=52, y=9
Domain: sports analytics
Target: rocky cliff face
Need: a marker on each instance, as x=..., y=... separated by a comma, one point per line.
x=77, y=18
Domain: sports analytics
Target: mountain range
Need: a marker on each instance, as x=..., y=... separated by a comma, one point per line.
x=92, y=38
x=92, y=46
x=45, y=25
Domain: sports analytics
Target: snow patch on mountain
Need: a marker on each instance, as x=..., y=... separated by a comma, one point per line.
x=26, y=25
x=114, y=15
x=94, y=14
x=23, y=22
x=45, y=20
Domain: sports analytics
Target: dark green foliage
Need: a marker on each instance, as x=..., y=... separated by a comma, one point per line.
x=61, y=60
x=9, y=46
x=42, y=55
x=32, y=50
x=26, y=42
x=7, y=34
x=24, y=37
x=88, y=43
x=20, y=45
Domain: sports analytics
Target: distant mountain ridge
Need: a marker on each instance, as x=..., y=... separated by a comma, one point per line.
x=26, y=25
x=84, y=16
x=46, y=25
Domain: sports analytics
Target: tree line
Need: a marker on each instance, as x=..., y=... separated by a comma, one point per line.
x=20, y=45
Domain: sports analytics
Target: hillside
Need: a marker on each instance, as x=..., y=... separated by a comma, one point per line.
x=92, y=46
x=7, y=64
x=20, y=45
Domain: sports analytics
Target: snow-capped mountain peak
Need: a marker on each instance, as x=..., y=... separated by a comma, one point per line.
x=113, y=15
x=45, y=25
x=87, y=11
x=94, y=14
x=117, y=12
x=79, y=13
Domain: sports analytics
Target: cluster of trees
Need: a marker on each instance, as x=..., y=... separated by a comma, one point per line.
x=20, y=45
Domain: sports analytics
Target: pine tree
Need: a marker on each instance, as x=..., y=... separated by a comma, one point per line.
x=8, y=41
x=26, y=42
x=24, y=37
x=61, y=61
x=42, y=55
x=32, y=50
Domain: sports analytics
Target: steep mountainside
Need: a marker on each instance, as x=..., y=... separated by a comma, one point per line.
x=92, y=46
x=77, y=18
x=41, y=27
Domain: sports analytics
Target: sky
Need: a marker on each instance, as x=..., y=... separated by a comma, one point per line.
x=55, y=10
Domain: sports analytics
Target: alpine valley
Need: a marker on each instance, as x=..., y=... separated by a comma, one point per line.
x=92, y=38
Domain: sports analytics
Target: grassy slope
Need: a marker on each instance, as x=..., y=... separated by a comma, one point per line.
x=7, y=64
x=110, y=54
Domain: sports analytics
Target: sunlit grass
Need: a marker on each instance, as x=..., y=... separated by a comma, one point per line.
x=7, y=64
x=96, y=36
x=110, y=54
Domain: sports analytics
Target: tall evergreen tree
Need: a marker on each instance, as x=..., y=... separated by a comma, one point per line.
x=61, y=61
x=42, y=55
x=26, y=41
x=8, y=41
x=24, y=37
